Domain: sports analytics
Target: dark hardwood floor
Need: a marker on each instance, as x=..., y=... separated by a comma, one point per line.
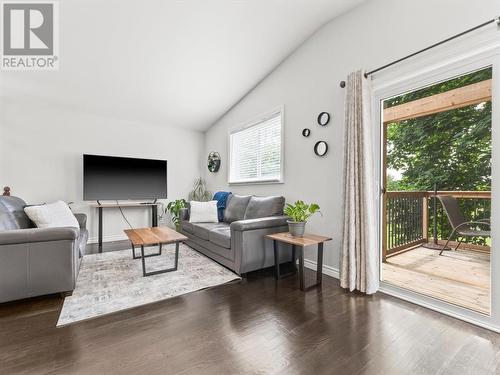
x=93, y=248
x=254, y=326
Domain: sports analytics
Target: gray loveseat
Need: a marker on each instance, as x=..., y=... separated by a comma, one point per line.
x=239, y=241
x=36, y=261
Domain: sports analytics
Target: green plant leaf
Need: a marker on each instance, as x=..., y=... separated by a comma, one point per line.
x=300, y=211
x=174, y=208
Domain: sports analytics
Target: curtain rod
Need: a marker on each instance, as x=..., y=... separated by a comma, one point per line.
x=497, y=20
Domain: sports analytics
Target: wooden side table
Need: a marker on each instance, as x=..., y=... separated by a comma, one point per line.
x=299, y=242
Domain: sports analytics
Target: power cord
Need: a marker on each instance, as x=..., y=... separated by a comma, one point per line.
x=162, y=214
x=124, y=217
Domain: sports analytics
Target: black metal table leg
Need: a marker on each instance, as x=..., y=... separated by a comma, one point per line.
x=276, y=260
x=143, y=258
x=176, y=262
x=319, y=270
x=277, y=267
x=298, y=245
x=301, y=268
x=154, y=215
x=99, y=228
x=176, y=256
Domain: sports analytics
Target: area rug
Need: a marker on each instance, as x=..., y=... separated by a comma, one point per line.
x=113, y=281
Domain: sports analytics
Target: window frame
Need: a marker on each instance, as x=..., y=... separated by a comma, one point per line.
x=254, y=122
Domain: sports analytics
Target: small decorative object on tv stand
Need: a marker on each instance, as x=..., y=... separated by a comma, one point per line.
x=6, y=191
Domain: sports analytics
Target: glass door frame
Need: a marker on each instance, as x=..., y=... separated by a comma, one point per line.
x=452, y=61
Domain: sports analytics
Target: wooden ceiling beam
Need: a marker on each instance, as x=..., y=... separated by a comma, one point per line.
x=456, y=98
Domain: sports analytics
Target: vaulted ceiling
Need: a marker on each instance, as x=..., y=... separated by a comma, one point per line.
x=172, y=62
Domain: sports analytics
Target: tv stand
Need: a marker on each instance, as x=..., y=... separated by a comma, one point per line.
x=101, y=206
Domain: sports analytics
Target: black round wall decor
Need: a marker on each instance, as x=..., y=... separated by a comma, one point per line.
x=213, y=163
x=321, y=148
x=323, y=118
x=306, y=132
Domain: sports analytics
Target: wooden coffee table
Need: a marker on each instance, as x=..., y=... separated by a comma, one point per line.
x=299, y=242
x=154, y=236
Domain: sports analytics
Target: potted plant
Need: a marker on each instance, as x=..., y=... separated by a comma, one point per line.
x=174, y=208
x=299, y=213
x=200, y=192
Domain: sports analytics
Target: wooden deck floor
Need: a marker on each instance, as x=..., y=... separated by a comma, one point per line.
x=459, y=277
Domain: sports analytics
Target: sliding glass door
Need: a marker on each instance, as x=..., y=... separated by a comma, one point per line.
x=437, y=207
x=437, y=200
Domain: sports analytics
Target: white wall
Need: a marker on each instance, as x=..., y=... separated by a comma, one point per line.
x=41, y=147
x=308, y=82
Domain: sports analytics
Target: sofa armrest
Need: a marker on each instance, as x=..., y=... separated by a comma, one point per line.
x=260, y=223
x=82, y=220
x=183, y=214
x=18, y=236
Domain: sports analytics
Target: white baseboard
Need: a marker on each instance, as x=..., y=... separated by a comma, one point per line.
x=327, y=270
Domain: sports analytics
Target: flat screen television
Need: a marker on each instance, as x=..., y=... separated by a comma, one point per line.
x=117, y=178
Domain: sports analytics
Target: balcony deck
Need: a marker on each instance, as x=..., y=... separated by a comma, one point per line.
x=459, y=277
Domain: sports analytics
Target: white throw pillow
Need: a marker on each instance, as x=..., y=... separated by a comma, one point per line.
x=203, y=212
x=52, y=215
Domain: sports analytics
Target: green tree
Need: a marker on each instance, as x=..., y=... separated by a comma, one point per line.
x=451, y=149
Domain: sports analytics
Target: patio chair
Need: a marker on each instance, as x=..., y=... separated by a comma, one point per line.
x=460, y=226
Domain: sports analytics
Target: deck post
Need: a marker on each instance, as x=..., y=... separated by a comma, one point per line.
x=425, y=218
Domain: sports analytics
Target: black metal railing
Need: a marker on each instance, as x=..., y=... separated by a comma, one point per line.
x=405, y=220
x=409, y=219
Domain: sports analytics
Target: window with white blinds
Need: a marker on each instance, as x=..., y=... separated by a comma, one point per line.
x=256, y=151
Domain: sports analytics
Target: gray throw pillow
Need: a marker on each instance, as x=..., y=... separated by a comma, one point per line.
x=235, y=207
x=264, y=207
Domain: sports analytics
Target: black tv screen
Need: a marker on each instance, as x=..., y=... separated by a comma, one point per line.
x=112, y=178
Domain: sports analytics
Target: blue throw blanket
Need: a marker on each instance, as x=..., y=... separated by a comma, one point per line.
x=221, y=198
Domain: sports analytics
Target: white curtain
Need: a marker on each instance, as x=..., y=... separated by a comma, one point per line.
x=359, y=252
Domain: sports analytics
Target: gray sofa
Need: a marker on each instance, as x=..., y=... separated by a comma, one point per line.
x=36, y=261
x=239, y=241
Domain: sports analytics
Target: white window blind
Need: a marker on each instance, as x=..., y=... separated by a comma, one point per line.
x=255, y=151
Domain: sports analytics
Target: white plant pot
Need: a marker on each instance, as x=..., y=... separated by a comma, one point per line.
x=296, y=228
